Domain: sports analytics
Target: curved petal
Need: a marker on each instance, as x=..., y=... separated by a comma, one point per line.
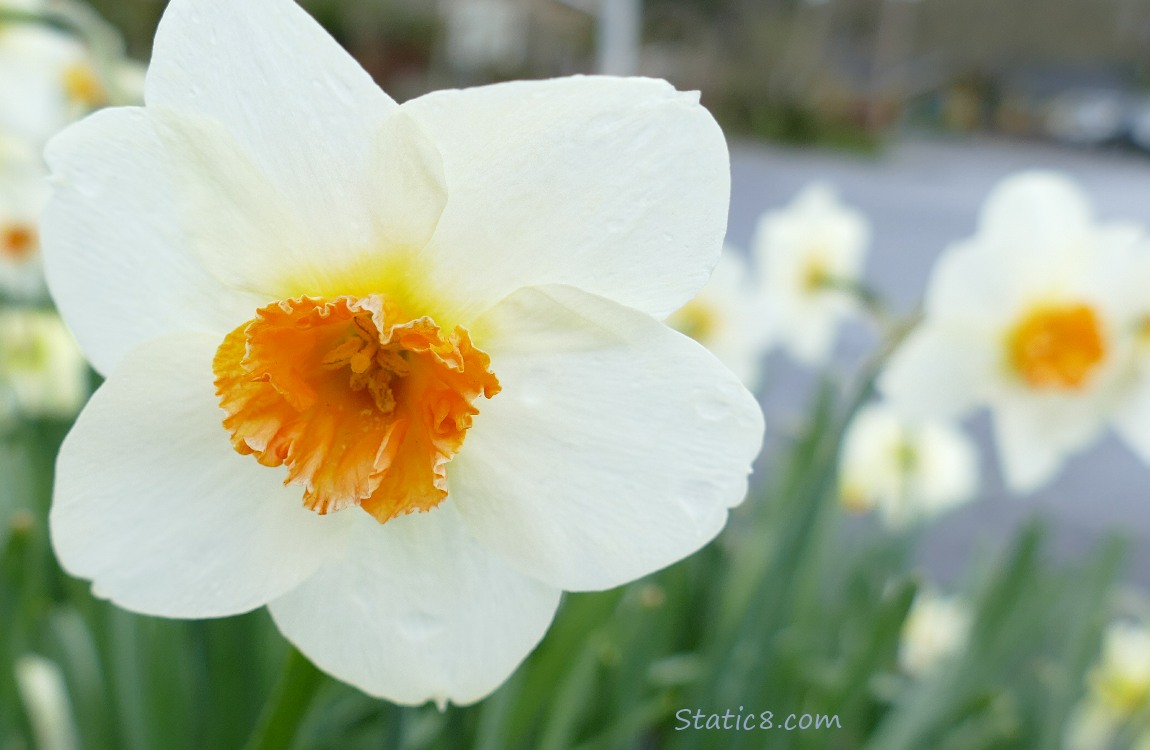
x=970, y=283
x=618, y=186
x=1131, y=417
x=1035, y=212
x=939, y=371
x=304, y=110
x=247, y=234
x=417, y=611
x=119, y=262
x=1035, y=436
x=153, y=505
x=810, y=331
x=615, y=448
x=730, y=318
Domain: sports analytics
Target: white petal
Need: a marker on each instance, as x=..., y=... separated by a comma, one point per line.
x=1131, y=418
x=118, y=259
x=34, y=60
x=249, y=236
x=729, y=317
x=617, y=186
x=1039, y=210
x=939, y=371
x=1092, y=726
x=304, y=110
x=615, y=448
x=417, y=611
x=810, y=336
x=153, y=505
x=1035, y=435
x=948, y=475
x=971, y=283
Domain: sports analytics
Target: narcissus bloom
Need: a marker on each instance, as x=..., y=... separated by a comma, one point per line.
x=1118, y=694
x=48, y=77
x=936, y=629
x=396, y=372
x=806, y=253
x=1037, y=316
x=729, y=317
x=907, y=470
x=42, y=373
x=23, y=191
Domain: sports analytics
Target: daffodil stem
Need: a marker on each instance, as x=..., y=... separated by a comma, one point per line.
x=288, y=705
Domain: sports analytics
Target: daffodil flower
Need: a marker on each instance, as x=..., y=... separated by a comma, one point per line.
x=396, y=372
x=48, y=77
x=806, y=253
x=730, y=316
x=1037, y=316
x=42, y=373
x=1118, y=690
x=906, y=469
x=936, y=629
x=23, y=191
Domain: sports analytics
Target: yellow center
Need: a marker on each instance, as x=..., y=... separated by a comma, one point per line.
x=816, y=274
x=1056, y=347
x=17, y=241
x=1123, y=693
x=696, y=319
x=82, y=86
x=364, y=404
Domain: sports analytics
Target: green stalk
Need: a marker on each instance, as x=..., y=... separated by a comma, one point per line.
x=288, y=705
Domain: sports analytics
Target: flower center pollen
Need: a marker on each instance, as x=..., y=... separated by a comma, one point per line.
x=1056, y=347
x=696, y=319
x=363, y=405
x=82, y=86
x=17, y=241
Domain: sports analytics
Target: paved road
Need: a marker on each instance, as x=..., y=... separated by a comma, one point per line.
x=920, y=197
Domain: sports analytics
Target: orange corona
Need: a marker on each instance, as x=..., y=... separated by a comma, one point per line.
x=82, y=86
x=17, y=241
x=364, y=405
x=1056, y=347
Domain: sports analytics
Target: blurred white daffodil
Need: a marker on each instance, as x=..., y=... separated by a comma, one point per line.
x=729, y=317
x=936, y=629
x=1036, y=316
x=42, y=372
x=907, y=470
x=23, y=192
x=396, y=372
x=1118, y=690
x=48, y=77
x=808, y=254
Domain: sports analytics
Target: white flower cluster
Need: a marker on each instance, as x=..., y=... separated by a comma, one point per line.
x=1042, y=316
x=49, y=78
x=405, y=373
x=790, y=296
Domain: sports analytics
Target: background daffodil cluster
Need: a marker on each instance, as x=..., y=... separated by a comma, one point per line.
x=897, y=563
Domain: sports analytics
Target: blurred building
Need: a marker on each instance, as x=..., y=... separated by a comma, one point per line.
x=794, y=69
